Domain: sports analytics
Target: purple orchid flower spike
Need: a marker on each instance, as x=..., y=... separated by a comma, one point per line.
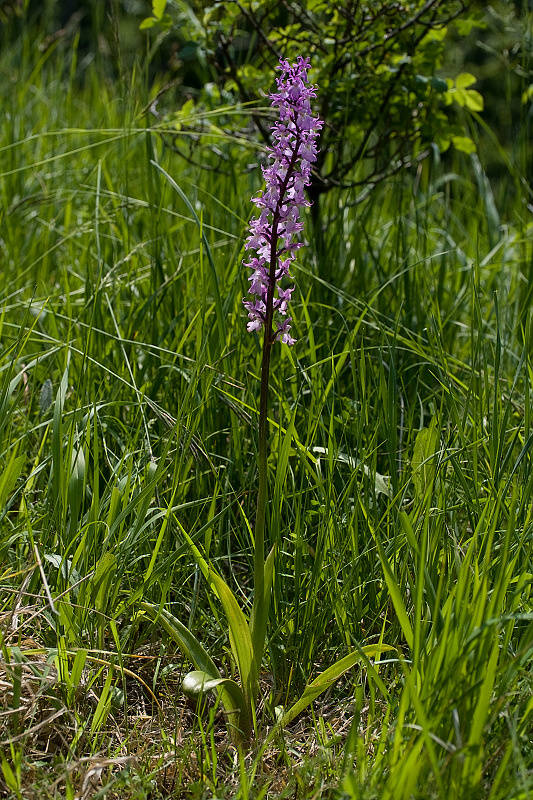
x=272, y=234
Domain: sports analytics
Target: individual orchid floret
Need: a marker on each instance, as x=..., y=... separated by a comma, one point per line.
x=273, y=232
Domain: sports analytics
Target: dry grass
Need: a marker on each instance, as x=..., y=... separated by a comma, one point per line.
x=153, y=738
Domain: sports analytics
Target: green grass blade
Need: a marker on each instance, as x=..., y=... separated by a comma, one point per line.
x=218, y=300
x=186, y=641
x=332, y=674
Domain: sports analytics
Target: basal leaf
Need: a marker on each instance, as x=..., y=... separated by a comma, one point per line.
x=259, y=620
x=197, y=683
x=186, y=641
x=330, y=675
x=240, y=638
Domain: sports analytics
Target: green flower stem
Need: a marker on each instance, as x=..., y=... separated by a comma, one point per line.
x=262, y=492
x=259, y=533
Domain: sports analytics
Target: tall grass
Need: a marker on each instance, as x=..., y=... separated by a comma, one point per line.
x=401, y=464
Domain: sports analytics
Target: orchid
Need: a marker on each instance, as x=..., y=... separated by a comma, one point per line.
x=273, y=240
x=273, y=232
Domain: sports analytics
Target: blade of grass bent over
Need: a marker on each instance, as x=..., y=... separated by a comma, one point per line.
x=218, y=301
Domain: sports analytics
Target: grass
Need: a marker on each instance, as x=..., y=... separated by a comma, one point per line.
x=400, y=465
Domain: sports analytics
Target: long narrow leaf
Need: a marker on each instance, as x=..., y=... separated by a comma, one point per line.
x=330, y=675
x=241, y=640
x=392, y=586
x=187, y=641
x=259, y=620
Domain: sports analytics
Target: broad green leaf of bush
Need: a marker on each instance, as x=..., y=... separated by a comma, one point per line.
x=377, y=69
x=460, y=93
x=464, y=144
x=158, y=16
x=158, y=8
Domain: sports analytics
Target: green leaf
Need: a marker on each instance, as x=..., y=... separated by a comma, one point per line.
x=259, y=620
x=158, y=8
x=330, y=675
x=465, y=26
x=464, y=144
x=467, y=98
x=473, y=762
x=395, y=594
x=425, y=728
x=100, y=583
x=473, y=100
x=197, y=683
x=240, y=638
x=459, y=92
x=149, y=22
x=77, y=668
x=436, y=34
x=392, y=585
x=423, y=461
x=239, y=631
x=9, y=776
x=9, y=476
x=103, y=705
x=160, y=536
x=409, y=532
x=200, y=560
x=464, y=80
x=186, y=641
x=527, y=94
x=231, y=696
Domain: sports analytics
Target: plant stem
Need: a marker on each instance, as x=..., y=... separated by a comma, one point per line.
x=259, y=554
x=262, y=491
